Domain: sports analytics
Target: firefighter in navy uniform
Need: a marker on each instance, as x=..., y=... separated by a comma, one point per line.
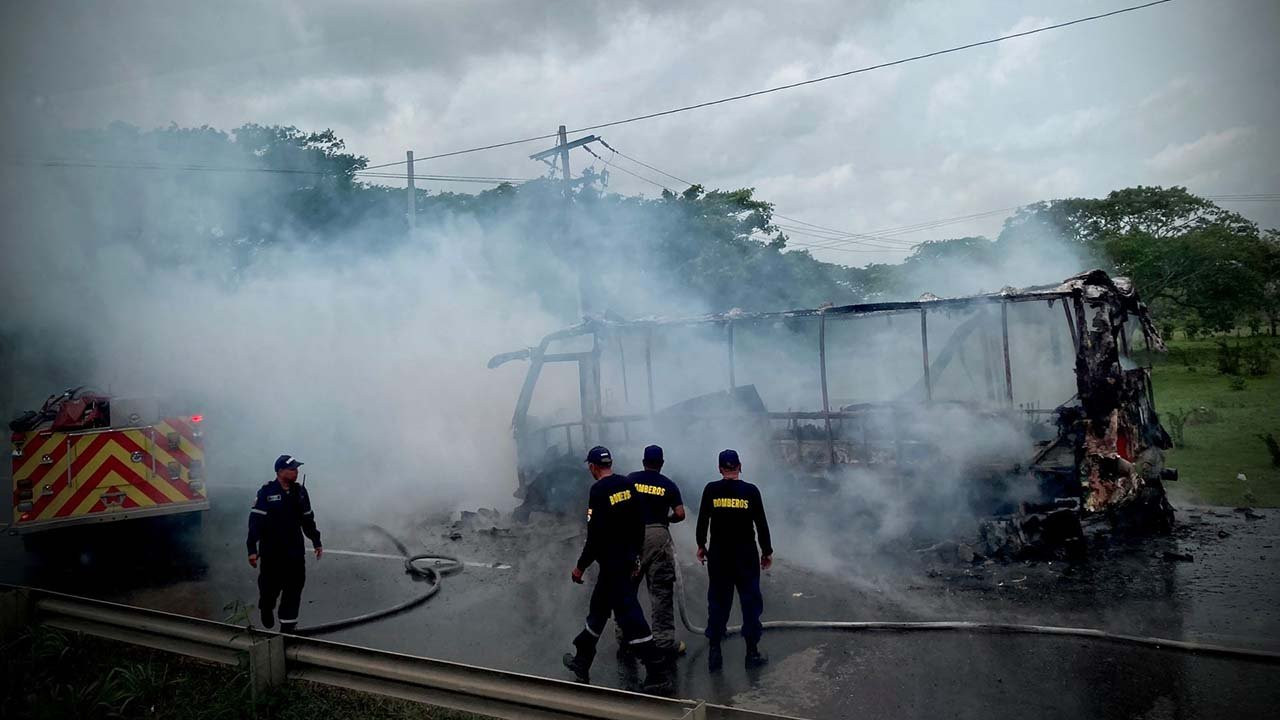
x=662, y=505
x=732, y=509
x=279, y=518
x=615, y=539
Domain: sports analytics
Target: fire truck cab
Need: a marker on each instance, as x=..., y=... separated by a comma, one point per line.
x=90, y=458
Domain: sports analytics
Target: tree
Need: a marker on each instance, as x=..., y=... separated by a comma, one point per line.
x=1195, y=262
x=1142, y=211
x=1270, y=268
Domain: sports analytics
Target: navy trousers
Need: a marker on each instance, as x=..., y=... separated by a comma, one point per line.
x=615, y=594
x=283, y=578
x=727, y=571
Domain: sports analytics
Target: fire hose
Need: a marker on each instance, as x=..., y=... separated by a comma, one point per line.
x=431, y=574
x=446, y=565
x=970, y=626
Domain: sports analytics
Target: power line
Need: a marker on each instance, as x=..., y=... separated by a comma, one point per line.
x=877, y=248
x=844, y=239
x=110, y=165
x=869, y=68
x=838, y=234
x=883, y=238
x=868, y=240
x=615, y=166
x=449, y=178
x=645, y=164
x=887, y=233
x=878, y=240
x=892, y=244
x=494, y=146
x=872, y=246
x=432, y=178
x=807, y=246
x=930, y=224
x=1261, y=197
x=869, y=247
x=789, y=86
x=158, y=166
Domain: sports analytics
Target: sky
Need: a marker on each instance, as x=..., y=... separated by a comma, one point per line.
x=1178, y=94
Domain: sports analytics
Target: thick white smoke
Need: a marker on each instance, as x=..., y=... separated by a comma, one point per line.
x=368, y=365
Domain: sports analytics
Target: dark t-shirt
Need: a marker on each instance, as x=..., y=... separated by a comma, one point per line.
x=615, y=530
x=733, y=513
x=657, y=494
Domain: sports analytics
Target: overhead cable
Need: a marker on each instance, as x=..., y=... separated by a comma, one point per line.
x=788, y=86
x=115, y=165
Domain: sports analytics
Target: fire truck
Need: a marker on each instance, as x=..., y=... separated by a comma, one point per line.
x=89, y=458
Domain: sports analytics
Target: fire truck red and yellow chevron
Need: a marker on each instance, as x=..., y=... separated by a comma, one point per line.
x=61, y=478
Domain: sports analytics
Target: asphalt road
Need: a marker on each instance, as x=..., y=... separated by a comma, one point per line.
x=521, y=614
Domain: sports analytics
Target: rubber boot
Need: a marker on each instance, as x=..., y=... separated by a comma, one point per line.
x=288, y=627
x=580, y=664
x=755, y=658
x=268, y=617
x=657, y=666
x=625, y=655
x=715, y=660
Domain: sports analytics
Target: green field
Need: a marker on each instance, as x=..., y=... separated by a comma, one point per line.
x=1220, y=438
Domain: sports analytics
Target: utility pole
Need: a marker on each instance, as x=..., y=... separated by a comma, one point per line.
x=566, y=224
x=562, y=148
x=413, y=194
x=564, y=161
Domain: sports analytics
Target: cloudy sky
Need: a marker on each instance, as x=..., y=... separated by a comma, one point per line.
x=1182, y=93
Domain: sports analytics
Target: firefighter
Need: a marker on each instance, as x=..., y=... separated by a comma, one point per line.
x=732, y=509
x=661, y=505
x=615, y=538
x=280, y=516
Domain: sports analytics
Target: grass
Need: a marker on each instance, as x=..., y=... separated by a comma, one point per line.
x=1227, y=413
x=46, y=673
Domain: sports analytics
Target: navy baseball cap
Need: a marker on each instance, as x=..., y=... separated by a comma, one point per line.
x=599, y=455
x=729, y=459
x=653, y=453
x=287, y=461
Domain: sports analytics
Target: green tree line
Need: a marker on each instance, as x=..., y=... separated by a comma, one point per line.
x=1201, y=267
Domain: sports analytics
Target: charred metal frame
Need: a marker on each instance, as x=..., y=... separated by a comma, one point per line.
x=1112, y=297
x=589, y=380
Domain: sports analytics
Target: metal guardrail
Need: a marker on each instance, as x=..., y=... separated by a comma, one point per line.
x=274, y=658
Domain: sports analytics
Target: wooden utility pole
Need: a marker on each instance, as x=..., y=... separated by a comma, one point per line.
x=566, y=225
x=562, y=148
x=564, y=159
x=413, y=194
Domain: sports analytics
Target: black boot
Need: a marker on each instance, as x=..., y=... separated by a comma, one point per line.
x=268, y=617
x=755, y=658
x=715, y=660
x=580, y=664
x=625, y=655
x=657, y=665
x=289, y=628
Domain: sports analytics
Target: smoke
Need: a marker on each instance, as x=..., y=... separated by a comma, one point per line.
x=366, y=355
x=368, y=365
x=911, y=473
x=1029, y=251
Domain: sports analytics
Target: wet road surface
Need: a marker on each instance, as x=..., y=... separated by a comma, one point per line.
x=521, y=615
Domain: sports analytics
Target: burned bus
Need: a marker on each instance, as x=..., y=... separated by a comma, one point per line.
x=1019, y=409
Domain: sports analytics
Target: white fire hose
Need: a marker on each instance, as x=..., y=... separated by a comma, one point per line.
x=1153, y=643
